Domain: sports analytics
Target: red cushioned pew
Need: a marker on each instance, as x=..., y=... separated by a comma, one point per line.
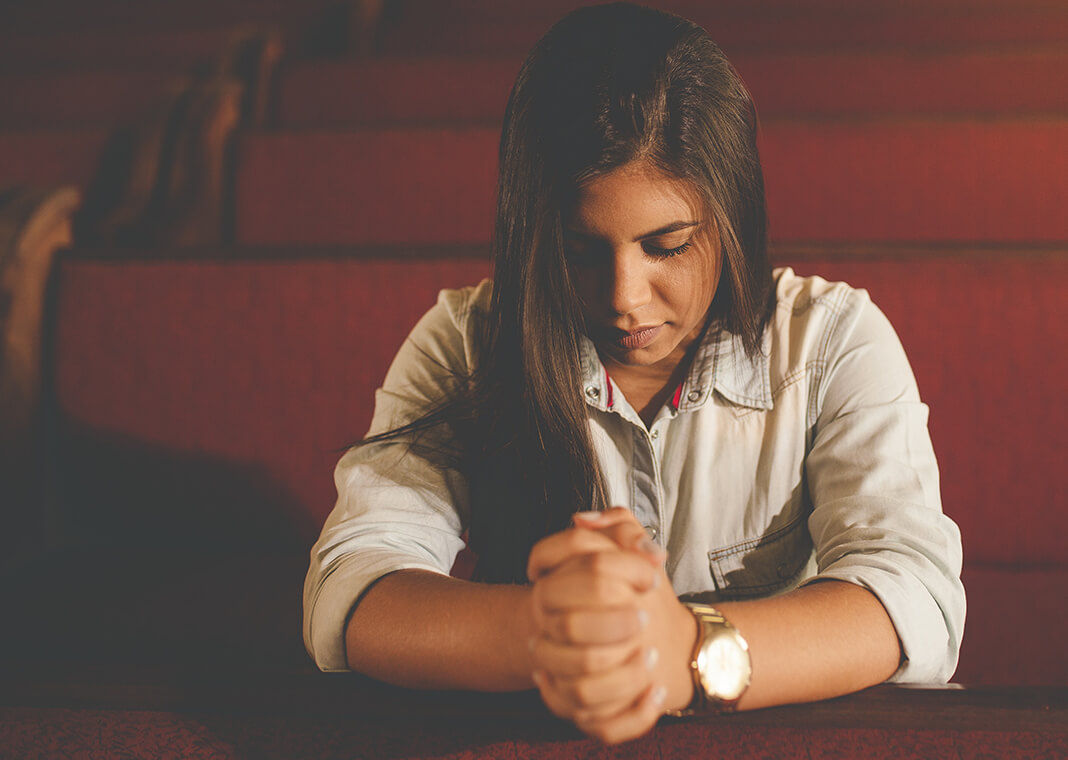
x=392, y=90
x=883, y=180
x=81, y=98
x=201, y=403
x=461, y=28
x=60, y=34
x=50, y=157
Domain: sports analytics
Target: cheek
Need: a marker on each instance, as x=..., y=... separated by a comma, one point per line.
x=586, y=282
x=692, y=288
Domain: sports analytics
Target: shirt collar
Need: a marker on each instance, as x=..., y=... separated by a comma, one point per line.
x=720, y=364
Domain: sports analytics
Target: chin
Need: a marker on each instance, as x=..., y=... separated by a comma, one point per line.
x=640, y=357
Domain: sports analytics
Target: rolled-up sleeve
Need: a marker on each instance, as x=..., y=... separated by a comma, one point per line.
x=396, y=508
x=877, y=517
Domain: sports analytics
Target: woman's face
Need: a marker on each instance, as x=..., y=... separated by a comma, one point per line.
x=645, y=260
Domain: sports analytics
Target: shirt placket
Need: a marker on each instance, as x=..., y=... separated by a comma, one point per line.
x=647, y=488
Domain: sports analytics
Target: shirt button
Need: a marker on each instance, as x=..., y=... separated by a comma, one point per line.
x=593, y=391
x=655, y=434
x=650, y=531
x=694, y=395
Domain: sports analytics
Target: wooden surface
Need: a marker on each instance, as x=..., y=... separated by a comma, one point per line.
x=296, y=713
x=305, y=691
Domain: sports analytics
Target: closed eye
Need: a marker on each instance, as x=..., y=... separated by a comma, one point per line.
x=666, y=253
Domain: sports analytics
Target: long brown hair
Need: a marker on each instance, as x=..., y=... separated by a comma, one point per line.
x=607, y=85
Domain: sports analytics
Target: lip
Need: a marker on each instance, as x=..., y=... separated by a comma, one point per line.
x=632, y=340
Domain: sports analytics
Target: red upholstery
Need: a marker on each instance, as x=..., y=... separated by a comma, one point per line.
x=399, y=186
x=264, y=369
x=786, y=26
x=392, y=90
x=981, y=332
x=273, y=734
x=132, y=15
x=79, y=97
x=265, y=364
x=1003, y=600
x=423, y=90
x=826, y=180
x=868, y=83
x=276, y=363
x=496, y=10
x=166, y=49
x=52, y=157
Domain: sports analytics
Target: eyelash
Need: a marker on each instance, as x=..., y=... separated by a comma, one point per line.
x=586, y=256
x=667, y=253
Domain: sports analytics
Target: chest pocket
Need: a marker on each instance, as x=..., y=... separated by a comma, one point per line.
x=764, y=565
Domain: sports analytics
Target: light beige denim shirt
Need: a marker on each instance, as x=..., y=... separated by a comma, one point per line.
x=809, y=461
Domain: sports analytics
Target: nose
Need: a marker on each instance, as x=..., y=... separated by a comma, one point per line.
x=628, y=287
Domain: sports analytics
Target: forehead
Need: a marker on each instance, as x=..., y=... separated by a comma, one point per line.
x=631, y=200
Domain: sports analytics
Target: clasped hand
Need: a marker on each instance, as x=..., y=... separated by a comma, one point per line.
x=612, y=643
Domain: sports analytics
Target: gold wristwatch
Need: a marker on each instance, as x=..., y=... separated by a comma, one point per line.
x=720, y=664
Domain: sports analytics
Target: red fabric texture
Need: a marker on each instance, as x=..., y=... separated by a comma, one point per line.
x=276, y=363
x=169, y=49
x=425, y=90
x=982, y=333
x=794, y=26
x=268, y=368
x=826, y=180
x=390, y=90
x=271, y=364
x=52, y=157
x=415, y=186
x=39, y=733
x=1017, y=625
x=79, y=97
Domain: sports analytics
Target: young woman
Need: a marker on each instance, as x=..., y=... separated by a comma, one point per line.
x=636, y=417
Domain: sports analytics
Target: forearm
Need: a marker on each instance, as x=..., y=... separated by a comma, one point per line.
x=820, y=641
x=423, y=630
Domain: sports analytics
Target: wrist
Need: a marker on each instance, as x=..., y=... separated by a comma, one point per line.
x=721, y=665
x=521, y=633
x=680, y=684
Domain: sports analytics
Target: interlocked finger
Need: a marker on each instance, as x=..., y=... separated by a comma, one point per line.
x=584, y=627
x=629, y=723
x=608, y=688
x=568, y=660
x=604, y=579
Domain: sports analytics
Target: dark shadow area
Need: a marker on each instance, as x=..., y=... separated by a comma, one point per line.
x=121, y=492
x=152, y=557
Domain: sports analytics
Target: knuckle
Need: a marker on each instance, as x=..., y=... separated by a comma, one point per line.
x=597, y=563
x=570, y=627
x=601, y=587
x=584, y=692
x=586, y=660
x=596, y=659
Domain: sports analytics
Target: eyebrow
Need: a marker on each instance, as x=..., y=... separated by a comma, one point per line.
x=667, y=229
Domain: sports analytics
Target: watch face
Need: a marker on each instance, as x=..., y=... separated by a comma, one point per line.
x=724, y=667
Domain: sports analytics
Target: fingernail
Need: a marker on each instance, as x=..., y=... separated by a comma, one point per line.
x=652, y=656
x=643, y=619
x=589, y=516
x=538, y=677
x=656, y=581
x=659, y=695
x=531, y=642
